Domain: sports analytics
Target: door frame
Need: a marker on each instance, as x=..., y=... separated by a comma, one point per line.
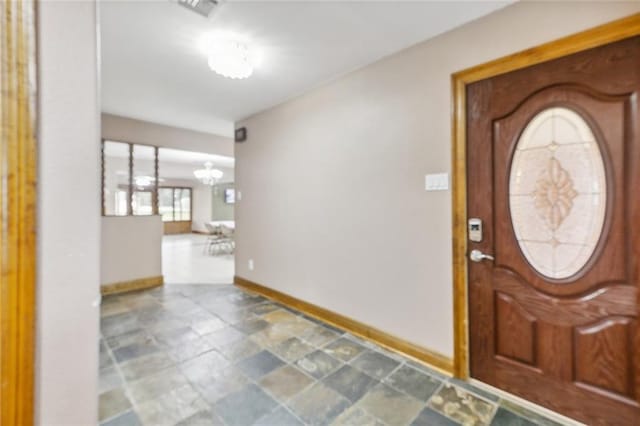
x=18, y=155
x=598, y=36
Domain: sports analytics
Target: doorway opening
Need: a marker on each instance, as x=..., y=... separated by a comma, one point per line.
x=168, y=204
x=198, y=217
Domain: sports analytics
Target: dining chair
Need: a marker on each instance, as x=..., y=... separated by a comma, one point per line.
x=213, y=237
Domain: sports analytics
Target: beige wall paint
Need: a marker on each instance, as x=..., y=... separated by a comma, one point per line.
x=131, y=248
x=333, y=207
x=68, y=215
x=130, y=130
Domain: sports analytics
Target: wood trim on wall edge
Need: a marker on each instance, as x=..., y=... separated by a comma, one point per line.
x=604, y=34
x=131, y=285
x=18, y=202
x=431, y=358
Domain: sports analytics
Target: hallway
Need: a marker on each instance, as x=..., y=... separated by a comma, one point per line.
x=184, y=261
x=200, y=355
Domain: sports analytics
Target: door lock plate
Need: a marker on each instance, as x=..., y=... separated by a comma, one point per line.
x=475, y=230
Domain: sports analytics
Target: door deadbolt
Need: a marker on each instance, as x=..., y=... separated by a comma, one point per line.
x=475, y=230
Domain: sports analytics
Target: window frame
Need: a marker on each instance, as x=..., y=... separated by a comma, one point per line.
x=173, y=189
x=131, y=187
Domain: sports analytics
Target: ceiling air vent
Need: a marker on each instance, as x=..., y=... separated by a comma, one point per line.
x=202, y=7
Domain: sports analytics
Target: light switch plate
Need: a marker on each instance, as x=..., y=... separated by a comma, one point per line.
x=437, y=182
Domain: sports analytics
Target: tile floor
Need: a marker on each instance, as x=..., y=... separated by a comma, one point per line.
x=215, y=355
x=185, y=262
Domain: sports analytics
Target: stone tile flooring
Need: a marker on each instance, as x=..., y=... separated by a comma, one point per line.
x=215, y=355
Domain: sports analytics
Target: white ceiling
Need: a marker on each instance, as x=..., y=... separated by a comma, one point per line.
x=153, y=68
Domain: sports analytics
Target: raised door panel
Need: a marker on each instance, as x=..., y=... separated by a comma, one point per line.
x=604, y=355
x=515, y=331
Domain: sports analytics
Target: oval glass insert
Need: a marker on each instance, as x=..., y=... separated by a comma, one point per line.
x=557, y=192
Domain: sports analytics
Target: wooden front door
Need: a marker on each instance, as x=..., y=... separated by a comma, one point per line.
x=553, y=166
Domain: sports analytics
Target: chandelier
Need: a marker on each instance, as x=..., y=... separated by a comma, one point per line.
x=229, y=58
x=208, y=175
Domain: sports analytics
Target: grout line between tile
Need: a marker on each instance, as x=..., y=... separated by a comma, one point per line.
x=246, y=314
x=125, y=386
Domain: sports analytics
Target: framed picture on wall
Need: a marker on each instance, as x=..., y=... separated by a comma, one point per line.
x=230, y=196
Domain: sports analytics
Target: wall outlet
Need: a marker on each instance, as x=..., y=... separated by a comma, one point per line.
x=238, y=195
x=250, y=264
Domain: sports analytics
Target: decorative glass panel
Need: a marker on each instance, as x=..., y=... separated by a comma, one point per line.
x=144, y=180
x=557, y=192
x=116, y=178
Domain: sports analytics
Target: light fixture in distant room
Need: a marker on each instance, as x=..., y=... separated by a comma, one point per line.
x=142, y=181
x=208, y=175
x=228, y=56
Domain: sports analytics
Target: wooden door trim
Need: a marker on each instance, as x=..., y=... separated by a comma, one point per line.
x=17, y=211
x=598, y=36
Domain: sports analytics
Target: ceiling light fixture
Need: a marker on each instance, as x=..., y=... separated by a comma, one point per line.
x=229, y=57
x=142, y=181
x=208, y=175
x=203, y=7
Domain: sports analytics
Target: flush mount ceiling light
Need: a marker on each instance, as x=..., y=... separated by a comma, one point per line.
x=208, y=175
x=229, y=57
x=203, y=7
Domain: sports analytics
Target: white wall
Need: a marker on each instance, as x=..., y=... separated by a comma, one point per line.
x=202, y=207
x=136, y=131
x=131, y=248
x=333, y=206
x=68, y=215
